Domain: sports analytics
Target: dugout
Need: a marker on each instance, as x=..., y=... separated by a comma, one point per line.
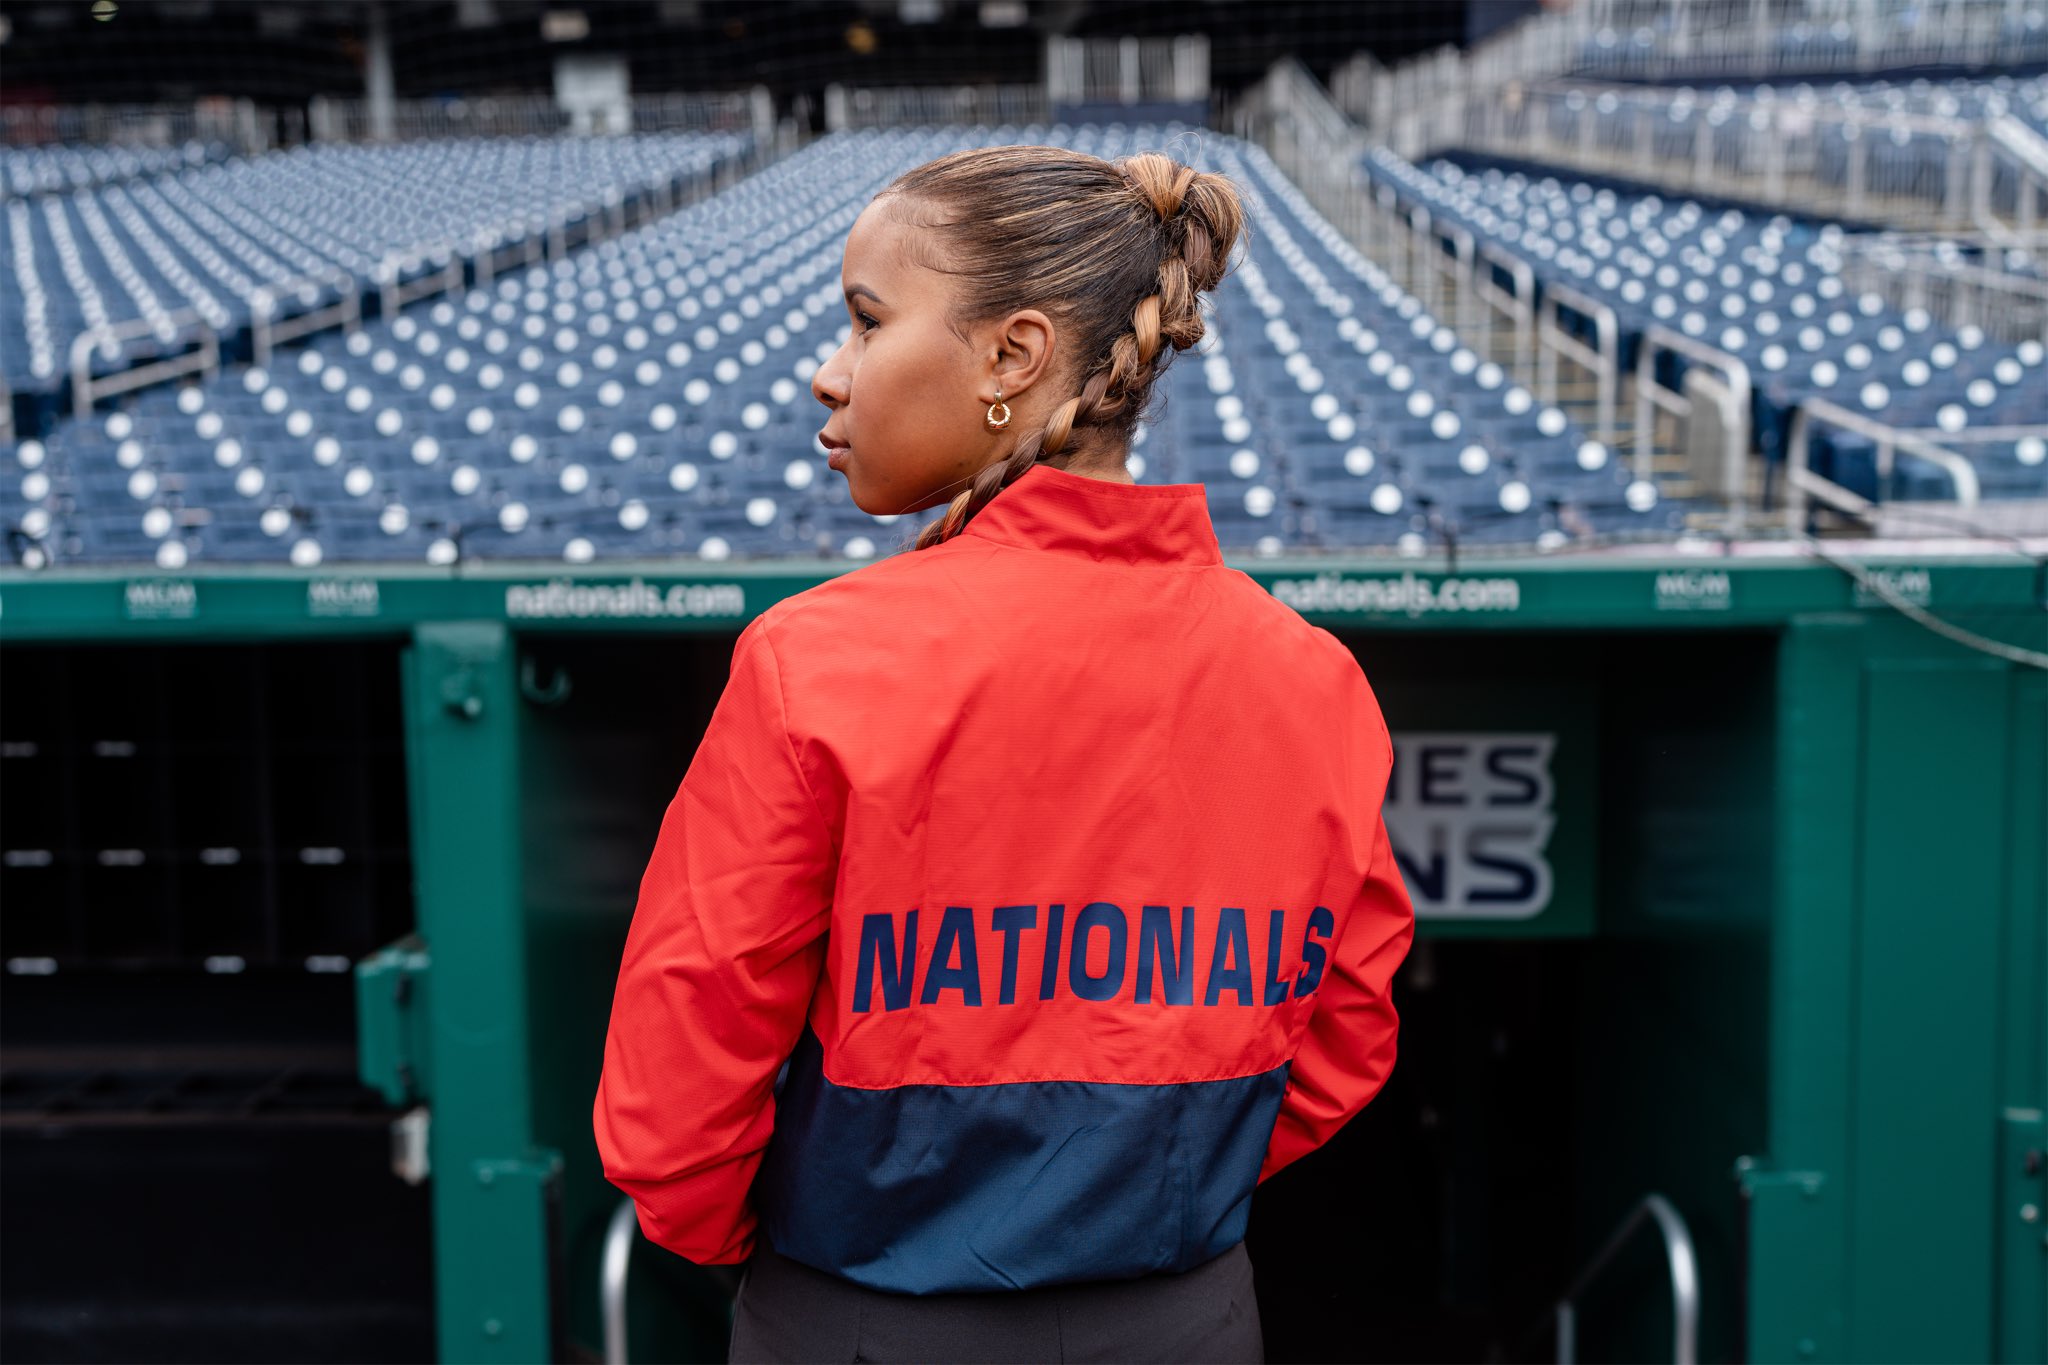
x=198, y=841
x=1731, y=882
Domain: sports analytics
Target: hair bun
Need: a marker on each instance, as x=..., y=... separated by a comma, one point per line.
x=1160, y=180
x=1201, y=210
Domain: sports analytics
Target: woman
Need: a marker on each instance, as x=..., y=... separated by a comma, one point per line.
x=1048, y=855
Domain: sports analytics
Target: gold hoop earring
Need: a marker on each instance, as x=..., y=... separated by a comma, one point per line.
x=997, y=423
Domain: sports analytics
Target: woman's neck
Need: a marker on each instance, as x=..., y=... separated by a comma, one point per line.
x=1107, y=462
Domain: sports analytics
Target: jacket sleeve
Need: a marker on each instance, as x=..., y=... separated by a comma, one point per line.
x=724, y=952
x=1347, y=1052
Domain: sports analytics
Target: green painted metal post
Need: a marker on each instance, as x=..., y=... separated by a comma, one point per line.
x=1932, y=879
x=2022, y=1213
x=1889, y=1216
x=494, y=1189
x=1799, y=1230
x=2022, y=1250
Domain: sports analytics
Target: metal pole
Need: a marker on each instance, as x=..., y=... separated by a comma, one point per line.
x=377, y=85
x=618, y=1254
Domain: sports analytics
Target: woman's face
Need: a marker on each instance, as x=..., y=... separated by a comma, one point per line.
x=906, y=391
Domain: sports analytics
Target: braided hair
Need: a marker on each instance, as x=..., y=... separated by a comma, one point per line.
x=1116, y=253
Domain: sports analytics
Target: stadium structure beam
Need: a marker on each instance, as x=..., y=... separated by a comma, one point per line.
x=496, y=1191
x=377, y=81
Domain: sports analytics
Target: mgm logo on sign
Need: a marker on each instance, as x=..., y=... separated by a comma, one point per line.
x=1693, y=590
x=1877, y=587
x=341, y=597
x=157, y=599
x=1470, y=818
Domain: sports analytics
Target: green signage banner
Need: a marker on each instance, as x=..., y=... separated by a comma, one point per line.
x=663, y=597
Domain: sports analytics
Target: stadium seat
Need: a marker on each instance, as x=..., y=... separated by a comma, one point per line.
x=190, y=232
x=649, y=397
x=1766, y=289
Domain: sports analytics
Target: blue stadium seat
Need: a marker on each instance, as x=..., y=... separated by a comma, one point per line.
x=110, y=236
x=1767, y=290
x=649, y=397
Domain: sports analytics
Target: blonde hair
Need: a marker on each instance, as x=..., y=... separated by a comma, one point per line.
x=1116, y=253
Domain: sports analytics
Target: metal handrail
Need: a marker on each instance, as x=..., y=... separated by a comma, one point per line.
x=2029, y=152
x=2023, y=142
x=1980, y=435
x=1800, y=480
x=1517, y=304
x=1421, y=271
x=1652, y=396
x=618, y=1256
x=892, y=107
x=266, y=329
x=85, y=390
x=1685, y=1280
x=1459, y=267
x=1819, y=111
x=1959, y=291
x=1536, y=325
x=1608, y=129
x=393, y=295
x=1310, y=141
x=1603, y=358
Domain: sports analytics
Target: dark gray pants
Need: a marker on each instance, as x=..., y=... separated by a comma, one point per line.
x=787, y=1311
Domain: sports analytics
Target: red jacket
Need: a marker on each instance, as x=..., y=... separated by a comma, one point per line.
x=1050, y=859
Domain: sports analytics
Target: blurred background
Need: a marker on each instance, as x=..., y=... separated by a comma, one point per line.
x=403, y=406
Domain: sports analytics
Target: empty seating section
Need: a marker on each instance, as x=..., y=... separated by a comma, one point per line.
x=1654, y=41
x=44, y=170
x=207, y=237
x=1384, y=426
x=2026, y=99
x=1878, y=148
x=1769, y=291
x=648, y=397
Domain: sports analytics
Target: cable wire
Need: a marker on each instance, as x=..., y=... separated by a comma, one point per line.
x=1883, y=591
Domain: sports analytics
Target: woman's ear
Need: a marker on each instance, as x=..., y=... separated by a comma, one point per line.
x=1023, y=346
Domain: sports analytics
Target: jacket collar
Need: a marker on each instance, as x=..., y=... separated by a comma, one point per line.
x=1048, y=508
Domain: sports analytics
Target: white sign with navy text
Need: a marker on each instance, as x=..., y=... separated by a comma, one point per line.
x=1470, y=817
